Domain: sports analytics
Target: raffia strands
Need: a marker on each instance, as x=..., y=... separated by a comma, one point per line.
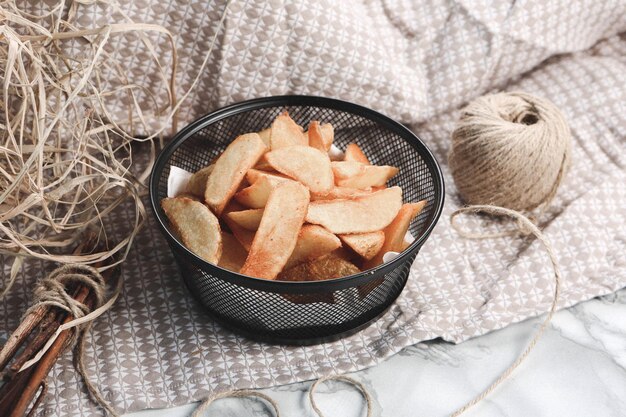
x=510, y=150
x=66, y=163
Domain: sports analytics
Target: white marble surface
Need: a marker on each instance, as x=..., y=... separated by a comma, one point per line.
x=578, y=369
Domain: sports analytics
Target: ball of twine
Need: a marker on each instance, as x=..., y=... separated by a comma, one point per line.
x=510, y=150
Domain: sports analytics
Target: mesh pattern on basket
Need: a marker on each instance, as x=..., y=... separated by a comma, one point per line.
x=288, y=312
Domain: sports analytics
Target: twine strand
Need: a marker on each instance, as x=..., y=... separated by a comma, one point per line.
x=234, y=394
x=52, y=291
x=251, y=393
x=534, y=230
x=364, y=392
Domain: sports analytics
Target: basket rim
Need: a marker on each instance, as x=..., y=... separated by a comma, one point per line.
x=297, y=100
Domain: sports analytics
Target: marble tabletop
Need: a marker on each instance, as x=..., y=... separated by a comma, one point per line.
x=577, y=369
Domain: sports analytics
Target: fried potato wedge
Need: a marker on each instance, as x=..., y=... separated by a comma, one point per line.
x=357, y=175
x=355, y=154
x=230, y=169
x=189, y=196
x=244, y=236
x=367, y=245
x=233, y=253
x=256, y=195
x=248, y=219
x=253, y=175
x=307, y=165
x=263, y=165
x=313, y=241
x=326, y=267
x=396, y=230
x=278, y=232
x=339, y=193
x=360, y=215
x=321, y=136
x=197, y=182
x=265, y=136
x=196, y=225
x=285, y=132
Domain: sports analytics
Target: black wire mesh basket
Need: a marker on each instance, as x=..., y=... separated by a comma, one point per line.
x=302, y=312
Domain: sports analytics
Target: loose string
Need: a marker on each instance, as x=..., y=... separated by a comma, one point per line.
x=343, y=378
x=525, y=225
x=52, y=291
x=250, y=393
x=234, y=394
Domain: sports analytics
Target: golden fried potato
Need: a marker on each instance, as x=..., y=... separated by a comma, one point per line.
x=365, y=214
x=366, y=245
x=248, y=219
x=313, y=241
x=197, y=227
x=256, y=195
x=326, y=267
x=253, y=175
x=265, y=136
x=396, y=230
x=355, y=154
x=197, y=182
x=304, y=164
x=230, y=169
x=321, y=136
x=276, y=237
x=244, y=236
x=285, y=132
x=340, y=193
x=233, y=253
x=357, y=175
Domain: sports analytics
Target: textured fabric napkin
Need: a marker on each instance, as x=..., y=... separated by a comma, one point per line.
x=416, y=61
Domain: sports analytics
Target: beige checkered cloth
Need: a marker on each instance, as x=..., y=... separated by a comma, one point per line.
x=417, y=61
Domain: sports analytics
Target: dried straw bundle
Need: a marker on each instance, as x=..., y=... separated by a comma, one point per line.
x=65, y=162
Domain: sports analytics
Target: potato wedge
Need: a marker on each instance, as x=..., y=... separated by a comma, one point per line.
x=263, y=165
x=244, y=236
x=197, y=182
x=313, y=241
x=285, y=132
x=367, y=245
x=256, y=195
x=395, y=231
x=265, y=136
x=233, y=253
x=340, y=193
x=230, y=169
x=326, y=267
x=355, y=154
x=321, y=136
x=197, y=227
x=360, y=215
x=305, y=164
x=357, y=175
x=278, y=232
x=253, y=175
x=190, y=196
x=248, y=219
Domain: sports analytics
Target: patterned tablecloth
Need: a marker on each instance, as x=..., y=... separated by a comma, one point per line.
x=416, y=61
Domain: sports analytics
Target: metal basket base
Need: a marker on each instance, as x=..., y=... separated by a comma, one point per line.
x=328, y=334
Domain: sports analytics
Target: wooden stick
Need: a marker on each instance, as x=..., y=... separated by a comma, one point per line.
x=42, y=368
x=48, y=326
x=20, y=334
x=32, y=320
x=18, y=392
